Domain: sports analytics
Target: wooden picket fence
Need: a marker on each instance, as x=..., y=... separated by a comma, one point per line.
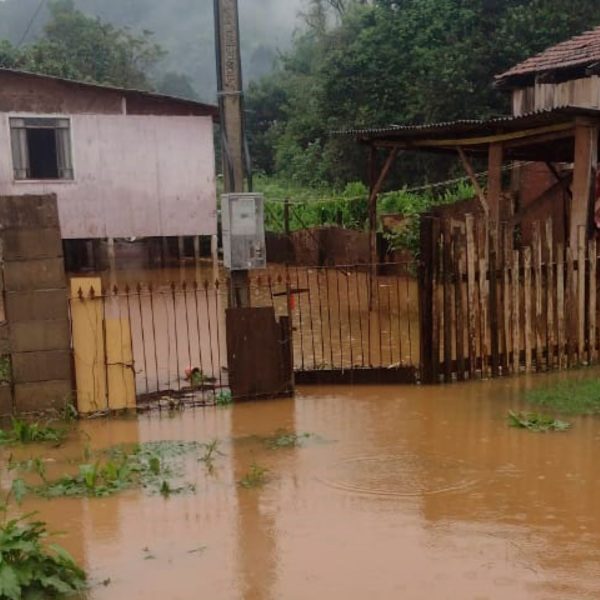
x=491, y=307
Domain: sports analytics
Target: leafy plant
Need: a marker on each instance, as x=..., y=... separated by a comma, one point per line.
x=22, y=432
x=29, y=569
x=536, y=422
x=208, y=458
x=5, y=369
x=223, y=398
x=255, y=477
x=569, y=397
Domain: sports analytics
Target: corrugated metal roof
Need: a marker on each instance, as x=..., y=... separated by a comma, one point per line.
x=209, y=109
x=474, y=126
x=580, y=50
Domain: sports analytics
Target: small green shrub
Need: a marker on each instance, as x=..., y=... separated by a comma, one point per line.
x=31, y=570
x=223, y=398
x=536, y=422
x=22, y=432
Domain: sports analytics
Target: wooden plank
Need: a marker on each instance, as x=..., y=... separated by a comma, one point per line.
x=436, y=313
x=494, y=187
x=592, y=349
x=550, y=293
x=448, y=312
x=527, y=307
x=471, y=294
x=493, y=286
x=474, y=182
x=585, y=159
x=570, y=308
x=484, y=299
x=426, y=299
x=506, y=296
x=516, y=347
x=538, y=285
x=459, y=299
x=581, y=295
x=560, y=306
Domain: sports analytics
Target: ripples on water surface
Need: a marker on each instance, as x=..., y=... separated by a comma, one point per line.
x=404, y=492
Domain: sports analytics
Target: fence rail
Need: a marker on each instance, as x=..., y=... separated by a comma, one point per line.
x=494, y=308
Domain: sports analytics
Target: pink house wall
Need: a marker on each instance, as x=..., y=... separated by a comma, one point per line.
x=135, y=175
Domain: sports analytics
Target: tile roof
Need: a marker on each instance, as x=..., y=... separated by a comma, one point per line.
x=578, y=51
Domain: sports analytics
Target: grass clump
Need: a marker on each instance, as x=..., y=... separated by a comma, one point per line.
x=255, y=477
x=536, y=422
x=569, y=397
x=22, y=432
x=285, y=439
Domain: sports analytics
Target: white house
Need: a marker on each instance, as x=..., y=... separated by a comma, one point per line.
x=122, y=163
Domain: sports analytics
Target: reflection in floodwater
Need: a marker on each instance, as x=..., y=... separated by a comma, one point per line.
x=403, y=492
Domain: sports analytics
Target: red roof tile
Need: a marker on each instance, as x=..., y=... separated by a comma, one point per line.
x=578, y=51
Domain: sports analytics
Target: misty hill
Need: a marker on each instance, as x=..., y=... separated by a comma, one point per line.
x=184, y=28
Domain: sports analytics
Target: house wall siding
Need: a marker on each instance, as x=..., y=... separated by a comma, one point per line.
x=135, y=175
x=576, y=92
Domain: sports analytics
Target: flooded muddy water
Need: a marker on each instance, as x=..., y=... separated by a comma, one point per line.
x=401, y=492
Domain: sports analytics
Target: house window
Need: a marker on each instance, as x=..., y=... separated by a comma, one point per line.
x=41, y=148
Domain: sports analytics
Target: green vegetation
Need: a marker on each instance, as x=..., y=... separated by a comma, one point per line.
x=223, y=398
x=382, y=62
x=5, y=369
x=569, y=397
x=29, y=567
x=31, y=570
x=285, y=439
x=536, y=422
x=255, y=477
x=211, y=450
x=22, y=432
x=150, y=466
x=324, y=207
x=76, y=46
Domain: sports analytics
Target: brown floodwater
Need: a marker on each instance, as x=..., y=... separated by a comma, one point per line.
x=402, y=492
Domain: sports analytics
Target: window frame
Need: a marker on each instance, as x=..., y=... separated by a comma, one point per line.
x=48, y=117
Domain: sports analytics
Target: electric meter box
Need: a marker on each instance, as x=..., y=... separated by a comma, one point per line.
x=243, y=227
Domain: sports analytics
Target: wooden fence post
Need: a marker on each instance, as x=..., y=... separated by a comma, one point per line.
x=427, y=268
x=527, y=307
x=550, y=282
x=459, y=300
x=592, y=350
x=471, y=294
x=493, y=287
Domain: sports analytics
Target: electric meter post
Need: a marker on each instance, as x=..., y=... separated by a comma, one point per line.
x=244, y=246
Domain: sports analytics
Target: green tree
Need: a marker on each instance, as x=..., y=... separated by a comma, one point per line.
x=398, y=61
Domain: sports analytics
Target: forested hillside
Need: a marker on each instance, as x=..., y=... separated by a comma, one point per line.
x=184, y=28
x=394, y=61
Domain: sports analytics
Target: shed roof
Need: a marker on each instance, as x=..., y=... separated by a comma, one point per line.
x=164, y=100
x=579, y=51
x=525, y=136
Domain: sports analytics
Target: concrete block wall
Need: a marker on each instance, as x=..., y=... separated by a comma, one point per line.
x=35, y=303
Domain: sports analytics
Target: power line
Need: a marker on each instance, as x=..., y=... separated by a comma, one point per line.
x=31, y=22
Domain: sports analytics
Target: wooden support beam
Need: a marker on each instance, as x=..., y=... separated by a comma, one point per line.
x=584, y=175
x=374, y=192
x=494, y=191
x=481, y=140
x=471, y=173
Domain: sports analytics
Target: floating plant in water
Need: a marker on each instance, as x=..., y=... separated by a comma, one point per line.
x=255, y=477
x=536, y=422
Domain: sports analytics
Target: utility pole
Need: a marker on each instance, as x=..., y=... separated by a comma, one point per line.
x=231, y=107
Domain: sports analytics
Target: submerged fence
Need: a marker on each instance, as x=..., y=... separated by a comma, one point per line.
x=149, y=340
x=490, y=307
